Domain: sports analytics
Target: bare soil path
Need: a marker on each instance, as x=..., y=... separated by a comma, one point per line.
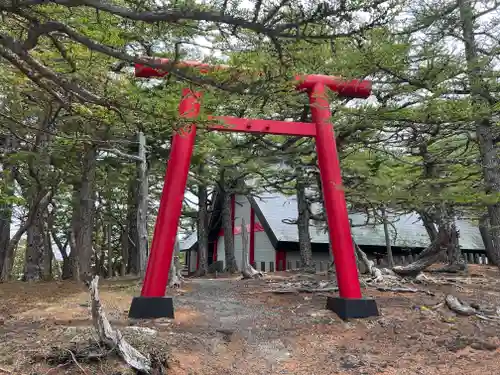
x=227, y=326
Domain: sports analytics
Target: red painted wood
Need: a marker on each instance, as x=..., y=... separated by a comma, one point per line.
x=237, y=229
x=234, y=124
x=280, y=260
x=172, y=196
x=252, y=237
x=156, y=277
x=214, y=256
x=333, y=195
x=233, y=206
x=350, y=89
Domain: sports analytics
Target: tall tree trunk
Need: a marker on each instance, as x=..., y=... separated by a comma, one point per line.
x=109, y=246
x=175, y=273
x=387, y=235
x=486, y=129
x=5, y=219
x=142, y=207
x=484, y=230
x=429, y=225
x=132, y=260
x=446, y=242
x=124, y=240
x=75, y=224
x=41, y=179
x=35, y=245
x=202, y=226
x=303, y=228
x=7, y=189
x=456, y=259
x=227, y=225
x=48, y=254
x=84, y=226
x=66, y=271
x=41, y=204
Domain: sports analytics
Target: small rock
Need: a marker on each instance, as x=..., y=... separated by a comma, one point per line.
x=350, y=361
x=484, y=345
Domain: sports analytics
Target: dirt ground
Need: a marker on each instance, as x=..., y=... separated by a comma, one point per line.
x=228, y=326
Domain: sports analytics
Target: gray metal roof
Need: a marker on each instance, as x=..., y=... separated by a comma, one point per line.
x=409, y=232
x=188, y=242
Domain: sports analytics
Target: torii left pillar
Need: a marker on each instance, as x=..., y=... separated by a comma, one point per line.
x=152, y=303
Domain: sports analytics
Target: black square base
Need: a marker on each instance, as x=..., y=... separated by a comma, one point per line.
x=151, y=308
x=352, y=308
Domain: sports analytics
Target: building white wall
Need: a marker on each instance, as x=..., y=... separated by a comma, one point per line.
x=264, y=250
x=241, y=209
x=192, y=260
x=221, y=255
x=294, y=256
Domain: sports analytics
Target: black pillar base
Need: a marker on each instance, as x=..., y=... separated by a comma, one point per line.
x=350, y=308
x=151, y=308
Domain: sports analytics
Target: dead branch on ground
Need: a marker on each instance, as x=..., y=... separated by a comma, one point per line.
x=376, y=273
x=112, y=338
x=175, y=277
x=247, y=271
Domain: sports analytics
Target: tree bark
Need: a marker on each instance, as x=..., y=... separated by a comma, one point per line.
x=202, y=226
x=387, y=235
x=35, y=247
x=5, y=219
x=39, y=172
x=486, y=129
x=7, y=188
x=484, y=230
x=142, y=207
x=66, y=266
x=429, y=225
x=445, y=242
x=48, y=254
x=109, y=245
x=83, y=227
x=227, y=225
x=456, y=259
x=75, y=219
x=303, y=228
x=124, y=240
x=174, y=274
x=132, y=260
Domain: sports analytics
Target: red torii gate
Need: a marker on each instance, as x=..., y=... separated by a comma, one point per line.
x=152, y=303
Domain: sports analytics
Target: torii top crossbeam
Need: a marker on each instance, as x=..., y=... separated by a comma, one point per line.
x=348, y=89
x=350, y=304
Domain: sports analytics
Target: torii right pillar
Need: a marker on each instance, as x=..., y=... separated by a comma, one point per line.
x=350, y=303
